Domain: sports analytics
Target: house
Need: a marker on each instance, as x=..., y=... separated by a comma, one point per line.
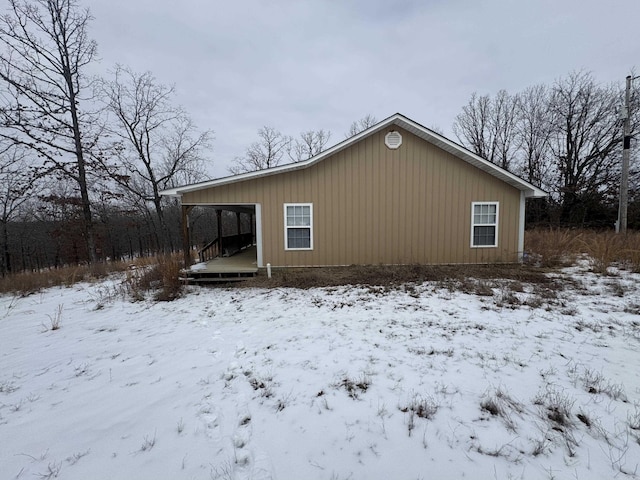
x=396, y=193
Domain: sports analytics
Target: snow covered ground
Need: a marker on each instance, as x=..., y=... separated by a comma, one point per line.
x=422, y=382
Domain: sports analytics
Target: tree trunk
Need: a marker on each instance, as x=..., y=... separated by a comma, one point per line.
x=6, y=268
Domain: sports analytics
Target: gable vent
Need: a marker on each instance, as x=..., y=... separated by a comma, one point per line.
x=393, y=140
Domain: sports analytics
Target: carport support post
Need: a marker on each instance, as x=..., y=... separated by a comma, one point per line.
x=240, y=244
x=186, y=240
x=253, y=233
x=219, y=222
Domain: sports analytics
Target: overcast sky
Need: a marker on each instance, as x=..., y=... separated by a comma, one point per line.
x=310, y=64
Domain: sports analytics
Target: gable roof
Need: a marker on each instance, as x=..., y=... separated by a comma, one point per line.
x=530, y=190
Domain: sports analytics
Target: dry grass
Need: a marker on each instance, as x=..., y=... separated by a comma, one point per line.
x=607, y=248
x=554, y=247
x=455, y=277
x=26, y=283
x=162, y=277
x=561, y=247
x=158, y=274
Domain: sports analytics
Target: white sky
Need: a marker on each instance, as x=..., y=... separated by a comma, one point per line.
x=300, y=65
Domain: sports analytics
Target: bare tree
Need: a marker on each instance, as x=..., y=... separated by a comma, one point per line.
x=488, y=127
x=17, y=182
x=42, y=69
x=157, y=145
x=584, y=139
x=471, y=127
x=533, y=133
x=360, y=125
x=310, y=144
x=267, y=152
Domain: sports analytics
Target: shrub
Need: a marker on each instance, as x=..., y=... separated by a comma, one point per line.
x=161, y=277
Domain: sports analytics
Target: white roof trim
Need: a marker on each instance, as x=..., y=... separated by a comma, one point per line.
x=530, y=191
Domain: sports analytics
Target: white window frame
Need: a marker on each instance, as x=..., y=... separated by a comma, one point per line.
x=473, y=224
x=287, y=227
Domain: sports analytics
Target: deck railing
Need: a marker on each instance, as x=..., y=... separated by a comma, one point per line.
x=210, y=251
x=230, y=245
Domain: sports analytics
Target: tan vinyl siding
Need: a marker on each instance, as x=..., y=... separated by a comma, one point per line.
x=373, y=205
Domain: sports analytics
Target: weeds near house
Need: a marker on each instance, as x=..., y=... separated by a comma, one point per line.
x=8, y=386
x=584, y=418
x=557, y=408
x=552, y=247
x=419, y=406
x=73, y=459
x=617, y=288
x=180, y=427
x=262, y=384
x=603, y=249
x=223, y=472
x=562, y=247
x=540, y=446
x=81, y=370
x=594, y=382
x=52, y=471
x=499, y=404
x=507, y=298
x=148, y=443
x=632, y=307
x=423, y=406
x=381, y=279
x=354, y=386
x=55, y=320
x=430, y=351
x=161, y=277
x=633, y=419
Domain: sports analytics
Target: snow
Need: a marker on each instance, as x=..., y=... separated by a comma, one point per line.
x=418, y=382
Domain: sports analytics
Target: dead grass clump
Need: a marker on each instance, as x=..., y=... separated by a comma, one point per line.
x=419, y=406
x=422, y=406
x=55, y=320
x=553, y=247
x=603, y=249
x=498, y=403
x=507, y=298
x=161, y=277
x=354, y=386
x=482, y=288
x=557, y=407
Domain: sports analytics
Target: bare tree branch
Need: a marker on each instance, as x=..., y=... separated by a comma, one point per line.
x=46, y=48
x=267, y=152
x=157, y=144
x=360, y=125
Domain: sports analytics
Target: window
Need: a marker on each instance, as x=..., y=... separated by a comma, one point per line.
x=484, y=224
x=298, y=226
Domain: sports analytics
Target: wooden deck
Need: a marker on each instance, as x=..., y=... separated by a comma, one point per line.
x=225, y=269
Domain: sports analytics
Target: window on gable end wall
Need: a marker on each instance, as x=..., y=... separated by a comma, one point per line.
x=484, y=224
x=298, y=226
